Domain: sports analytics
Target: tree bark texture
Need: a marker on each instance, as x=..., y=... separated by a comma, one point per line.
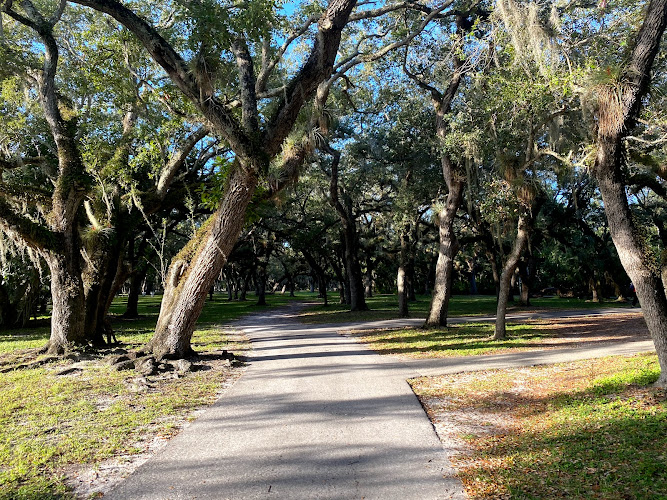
x=639, y=265
x=68, y=306
x=520, y=244
x=444, y=268
x=189, y=280
x=355, y=277
x=350, y=234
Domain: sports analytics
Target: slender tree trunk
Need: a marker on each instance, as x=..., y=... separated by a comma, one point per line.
x=520, y=244
x=369, y=276
x=191, y=276
x=355, y=282
x=449, y=246
x=402, y=278
x=230, y=290
x=100, y=283
x=354, y=274
x=136, y=279
x=524, y=274
x=322, y=280
x=261, y=286
x=594, y=287
x=343, y=289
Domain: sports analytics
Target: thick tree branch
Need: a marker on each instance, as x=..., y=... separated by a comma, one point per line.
x=317, y=68
x=247, y=82
x=34, y=235
x=221, y=119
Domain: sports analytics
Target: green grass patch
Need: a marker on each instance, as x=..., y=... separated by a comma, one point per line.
x=386, y=307
x=587, y=429
x=468, y=339
x=50, y=422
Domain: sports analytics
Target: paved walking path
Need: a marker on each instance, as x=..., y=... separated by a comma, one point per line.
x=316, y=415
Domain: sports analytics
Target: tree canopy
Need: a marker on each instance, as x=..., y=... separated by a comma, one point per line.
x=457, y=146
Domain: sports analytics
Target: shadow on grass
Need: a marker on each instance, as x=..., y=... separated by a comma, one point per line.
x=457, y=339
x=607, y=441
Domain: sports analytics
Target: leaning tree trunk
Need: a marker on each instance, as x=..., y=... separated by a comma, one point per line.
x=644, y=273
x=520, y=245
x=194, y=270
x=612, y=128
x=444, y=269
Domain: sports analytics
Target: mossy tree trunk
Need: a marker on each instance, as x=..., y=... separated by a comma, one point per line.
x=254, y=145
x=194, y=270
x=57, y=240
x=617, y=113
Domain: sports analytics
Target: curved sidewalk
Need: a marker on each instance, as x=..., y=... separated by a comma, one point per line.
x=318, y=415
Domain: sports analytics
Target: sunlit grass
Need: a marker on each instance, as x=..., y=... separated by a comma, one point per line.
x=587, y=429
x=49, y=421
x=468, y=339
x=386, y=307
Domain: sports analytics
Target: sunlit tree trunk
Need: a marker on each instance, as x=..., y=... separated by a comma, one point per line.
x=68, y=305
x=194, y=270
x=449, y=246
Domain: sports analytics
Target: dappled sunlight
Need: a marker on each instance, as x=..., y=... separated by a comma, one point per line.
x=581, y=429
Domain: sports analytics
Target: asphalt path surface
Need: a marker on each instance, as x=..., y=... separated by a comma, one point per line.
x=319, y=415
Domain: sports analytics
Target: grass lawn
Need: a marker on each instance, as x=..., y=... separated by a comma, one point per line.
x=138, y=331
x=386, y=307
x=587, y=429
x=470, y=339
x=51, y=423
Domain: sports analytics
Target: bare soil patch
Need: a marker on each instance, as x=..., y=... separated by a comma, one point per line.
x=572, y=332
